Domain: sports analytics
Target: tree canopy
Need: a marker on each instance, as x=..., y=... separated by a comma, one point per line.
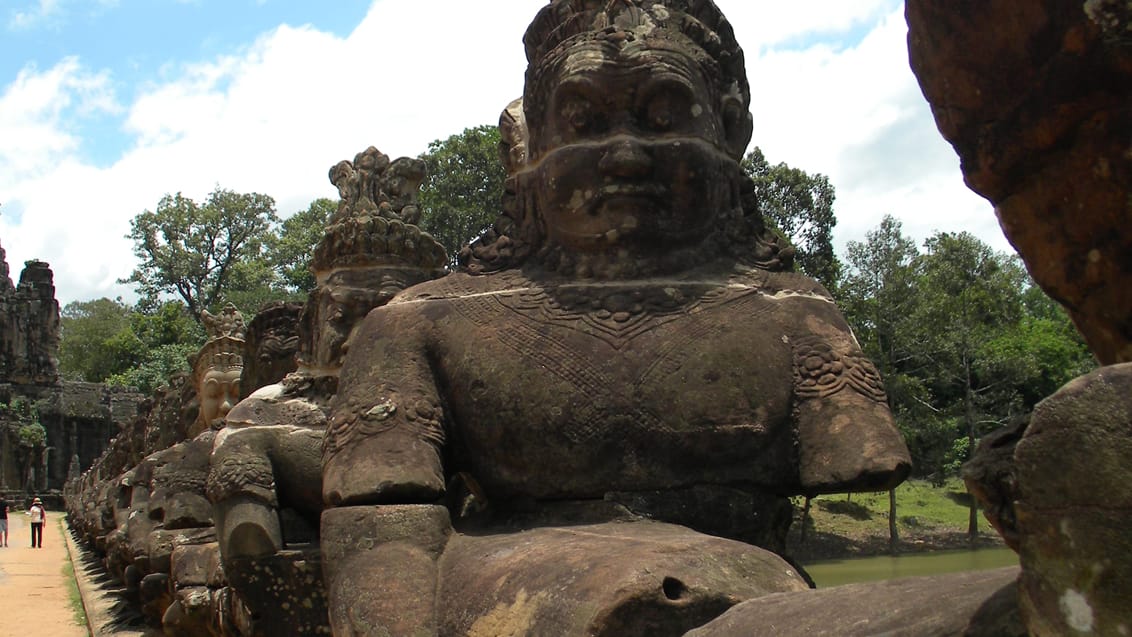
x=462, y=191
x=196, y=251
x=963, y=337
x=800, y=206
x=290, y=248
x=107, y=341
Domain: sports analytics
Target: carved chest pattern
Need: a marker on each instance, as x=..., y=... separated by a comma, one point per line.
x=617, y=316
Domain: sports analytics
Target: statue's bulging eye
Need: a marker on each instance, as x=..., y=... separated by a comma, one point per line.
x=661, y=112
x=579, y=115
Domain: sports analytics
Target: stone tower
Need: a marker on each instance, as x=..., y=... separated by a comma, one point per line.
x=29, y=325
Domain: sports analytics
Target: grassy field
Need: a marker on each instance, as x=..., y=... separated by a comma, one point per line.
x=927, y=518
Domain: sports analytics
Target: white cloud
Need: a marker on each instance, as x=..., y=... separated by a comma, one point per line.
x=274, y=117
x=34, y=15
x=37, y=113
x=759, y=25
x=857, y=115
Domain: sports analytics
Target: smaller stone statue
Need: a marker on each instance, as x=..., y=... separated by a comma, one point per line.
x=265, y=480
x=217, y=368
x=272, y=341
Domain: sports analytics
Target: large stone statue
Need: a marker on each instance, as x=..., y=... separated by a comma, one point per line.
x=265, y=477
x=519, y=448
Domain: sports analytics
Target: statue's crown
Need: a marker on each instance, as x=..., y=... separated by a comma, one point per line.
x=377, y=212
x=225, y=346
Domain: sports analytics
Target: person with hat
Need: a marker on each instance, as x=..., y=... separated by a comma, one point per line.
x=38, y=517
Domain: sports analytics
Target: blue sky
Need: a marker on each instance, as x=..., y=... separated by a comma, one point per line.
x=106, y=105
x=143, y=41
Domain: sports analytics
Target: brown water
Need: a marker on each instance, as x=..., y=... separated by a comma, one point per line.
x=869, y=569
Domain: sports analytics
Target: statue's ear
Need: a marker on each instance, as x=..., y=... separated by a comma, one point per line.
x=737, y=126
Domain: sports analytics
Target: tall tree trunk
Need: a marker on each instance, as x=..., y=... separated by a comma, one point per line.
x=805, y=520
x=969, y=408
x=893, y=533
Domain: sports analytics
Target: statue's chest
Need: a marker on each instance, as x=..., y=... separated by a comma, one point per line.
x=580, y=363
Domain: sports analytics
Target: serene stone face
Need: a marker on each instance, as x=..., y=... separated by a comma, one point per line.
x=219, y=391
x=632, y=153
x=343, y=301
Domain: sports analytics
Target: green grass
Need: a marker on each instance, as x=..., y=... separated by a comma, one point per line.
x=920, y=507
x=78, y=613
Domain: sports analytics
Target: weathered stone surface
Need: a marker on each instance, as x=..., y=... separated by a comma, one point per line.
x=195, y=565
x=1074, y=508
x=29, y=325
x=190, y=614
x=217, y=368
x=272, y=340
x=162, y=543
x=155, y=594
x=177, y=496
x=356, y=529
x=283, y=591
x=627, y=332
x=990, y=479
x=619, y=578
x=976, y=604
x=1035, y=98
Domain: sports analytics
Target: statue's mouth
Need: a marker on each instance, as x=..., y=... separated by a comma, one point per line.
x=630, y=191
x=628, y=199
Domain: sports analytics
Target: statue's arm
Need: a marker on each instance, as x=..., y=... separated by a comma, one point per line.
x=385, y=436
x=385, y=527
x=847, y=438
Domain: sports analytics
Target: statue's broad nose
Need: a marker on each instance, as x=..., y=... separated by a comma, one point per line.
x=625, y=158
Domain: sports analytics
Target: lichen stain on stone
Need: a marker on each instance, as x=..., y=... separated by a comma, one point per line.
x=1077, y=611
x=382, y=411
x=509, y=620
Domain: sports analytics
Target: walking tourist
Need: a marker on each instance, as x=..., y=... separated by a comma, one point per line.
x=38, y=518
x=4, y=508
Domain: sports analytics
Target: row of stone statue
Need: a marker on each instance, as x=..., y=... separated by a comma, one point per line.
x=591, y=427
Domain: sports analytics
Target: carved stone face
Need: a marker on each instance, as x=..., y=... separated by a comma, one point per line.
x=344, y=300
x=633, y=151
x=219, y=391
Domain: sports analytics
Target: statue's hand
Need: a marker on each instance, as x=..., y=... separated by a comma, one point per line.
x=266, y=467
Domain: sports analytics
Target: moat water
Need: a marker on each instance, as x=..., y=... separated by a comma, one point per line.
x=869, y=569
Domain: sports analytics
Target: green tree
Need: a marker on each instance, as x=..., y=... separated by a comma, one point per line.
x=799, y=205
x=166, y=324
x=461, y=194
x=195, y=251
x=289, y=250
x=156, y=367
x=969, y=296
x=97, y=340
x=107, y=341
x=879, y=296
x=878, y=292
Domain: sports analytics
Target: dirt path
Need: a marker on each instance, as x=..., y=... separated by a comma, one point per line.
x=34, y=594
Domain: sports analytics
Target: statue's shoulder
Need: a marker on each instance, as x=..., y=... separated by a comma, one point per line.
x=459, y=285
x=782, y=283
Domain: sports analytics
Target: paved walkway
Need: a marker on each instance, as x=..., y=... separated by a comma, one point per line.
x=35, y=596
